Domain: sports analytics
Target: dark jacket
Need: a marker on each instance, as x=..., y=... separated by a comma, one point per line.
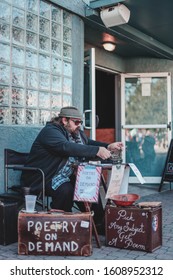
x=50, y=152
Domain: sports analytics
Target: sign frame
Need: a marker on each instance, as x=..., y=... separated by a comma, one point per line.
x=87, y=184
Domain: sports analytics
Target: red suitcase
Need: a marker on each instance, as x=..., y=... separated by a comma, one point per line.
x=54, y=233
x=134, y=228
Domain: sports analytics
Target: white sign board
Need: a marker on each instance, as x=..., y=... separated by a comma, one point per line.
x=87, y=183
x=119, y=179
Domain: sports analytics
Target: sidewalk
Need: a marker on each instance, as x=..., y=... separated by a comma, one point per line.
x=165, y=252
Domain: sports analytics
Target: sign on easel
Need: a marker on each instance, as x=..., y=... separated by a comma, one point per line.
x=87, y=189
x=87, y=183
x=119, y=179
x=167, y=175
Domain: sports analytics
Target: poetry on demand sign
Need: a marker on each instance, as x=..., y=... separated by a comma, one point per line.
x=87, y=183
x=54, y=233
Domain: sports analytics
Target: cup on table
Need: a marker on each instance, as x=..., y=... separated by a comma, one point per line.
x=30, y=201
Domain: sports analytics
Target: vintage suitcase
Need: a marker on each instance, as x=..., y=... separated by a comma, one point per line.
x=135, y=228
x=55, y=233
x=8, y=222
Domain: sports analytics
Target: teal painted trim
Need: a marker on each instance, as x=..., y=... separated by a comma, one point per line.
x=144, y=40
x=94, y=4
x=76, y=6
x=78, y=62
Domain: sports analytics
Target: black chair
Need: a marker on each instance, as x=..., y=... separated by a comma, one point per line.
x=15, y=161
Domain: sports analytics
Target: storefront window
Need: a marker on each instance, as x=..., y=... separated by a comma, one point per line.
x=35, y=61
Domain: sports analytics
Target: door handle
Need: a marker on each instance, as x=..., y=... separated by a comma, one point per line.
x=85, y=112
x=169, y=125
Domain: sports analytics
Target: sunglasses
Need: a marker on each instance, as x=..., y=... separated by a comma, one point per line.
x=76, y=122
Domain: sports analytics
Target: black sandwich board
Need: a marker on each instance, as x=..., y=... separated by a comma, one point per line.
x=167, y=175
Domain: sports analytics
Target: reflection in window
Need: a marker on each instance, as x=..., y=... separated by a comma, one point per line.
x=149, y=106
x=147, y=148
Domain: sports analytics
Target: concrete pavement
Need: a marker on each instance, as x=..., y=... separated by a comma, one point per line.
x=165, y=252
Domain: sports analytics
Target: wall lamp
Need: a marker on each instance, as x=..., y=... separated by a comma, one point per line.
x=109, y=46
x=108, y=42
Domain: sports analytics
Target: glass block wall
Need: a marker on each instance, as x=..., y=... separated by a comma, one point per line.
x=35, y=61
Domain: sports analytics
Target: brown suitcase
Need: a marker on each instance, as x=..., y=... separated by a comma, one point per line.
x=8, y=222
x=55, y=233
x=134, y=228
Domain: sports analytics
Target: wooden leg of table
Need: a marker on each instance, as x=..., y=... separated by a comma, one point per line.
x=103, y=183
x=96, y=234
x=88, y=209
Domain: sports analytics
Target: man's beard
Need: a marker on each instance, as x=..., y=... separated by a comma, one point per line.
x=73, y=133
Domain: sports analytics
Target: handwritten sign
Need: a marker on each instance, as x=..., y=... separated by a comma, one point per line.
x=87, y=183
x=133, y=228
x=167, y=175
x=118, y=181
x=54, y=234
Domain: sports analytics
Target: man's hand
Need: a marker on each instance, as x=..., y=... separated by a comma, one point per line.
x=103, y=153
x=115, y=146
